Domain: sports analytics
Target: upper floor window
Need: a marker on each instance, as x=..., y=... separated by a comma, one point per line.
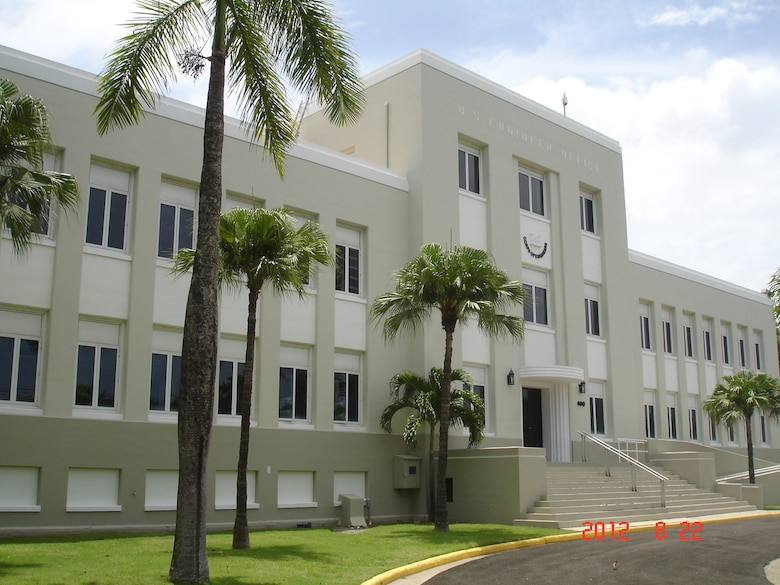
x=587, y=216
x=294, y=384
x=346, y=388
x=230, y=383
x=758, y=356
x=535, y=303
x=531, y=192
x=107, y=210
x=707, y=340
x=688, y=335
x=348, y=260
x=468, y=170
x=666, y=330
x=97, y=365
x=177, y=217
x=742, y=353
x=726, y=350
x=164, y=383
x=644, y=326
x=592, y=319
x=18, y=369
x=42, y=225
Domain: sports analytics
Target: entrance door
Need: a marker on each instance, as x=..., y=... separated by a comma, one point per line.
x=532, y=417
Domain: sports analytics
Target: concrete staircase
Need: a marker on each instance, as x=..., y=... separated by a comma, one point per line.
x=578, y=493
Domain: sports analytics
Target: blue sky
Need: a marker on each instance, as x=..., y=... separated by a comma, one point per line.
x=690, y=89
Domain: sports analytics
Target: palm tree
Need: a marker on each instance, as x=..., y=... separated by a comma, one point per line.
x=26, y=191
x=259, y=246
x=422, y=397
x=462, y=283
x=774, y=293
x=738, y=397
x=255, y=44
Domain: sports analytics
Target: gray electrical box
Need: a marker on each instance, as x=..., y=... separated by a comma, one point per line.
x=407, y=473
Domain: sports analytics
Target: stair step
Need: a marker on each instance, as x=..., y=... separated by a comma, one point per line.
x=583, y=493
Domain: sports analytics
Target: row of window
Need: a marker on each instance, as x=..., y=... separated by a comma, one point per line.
x=97, y=373
x=97, y=490
x=536, y=307
x=693, y=426
x=531, y=191
x=108, y=212
x=688, y=339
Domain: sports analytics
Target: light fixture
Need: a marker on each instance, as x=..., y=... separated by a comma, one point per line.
x=510, y=378
x=582, y=387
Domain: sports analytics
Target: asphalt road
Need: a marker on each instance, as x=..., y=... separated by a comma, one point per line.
x=729, y=553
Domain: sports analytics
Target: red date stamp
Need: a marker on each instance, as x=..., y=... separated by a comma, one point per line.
x=618, y=530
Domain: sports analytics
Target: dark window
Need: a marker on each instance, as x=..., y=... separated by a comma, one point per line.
x=18, y=369
x=671, y=414
x=106, y=226
x=96, y=376
x=535, y=304
x=176, y=224
x=293, y=393
x=587, y=222
x=597, y=415
x=230, y=383
x=468, y=171
x=667, y=330
x=531, y=193
x=649, y=421
x=592, y=325
x=347, y=269
x=644, y=331
x=346, y=397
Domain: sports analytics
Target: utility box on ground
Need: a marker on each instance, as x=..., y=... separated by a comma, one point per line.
x=352, y=511
x=406, y=472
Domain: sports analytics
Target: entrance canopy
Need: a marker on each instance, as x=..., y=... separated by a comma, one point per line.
x=551, y=374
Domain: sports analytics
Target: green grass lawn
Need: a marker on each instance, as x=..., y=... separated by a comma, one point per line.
x=316, y=556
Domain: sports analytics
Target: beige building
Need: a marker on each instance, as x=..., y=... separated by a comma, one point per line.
x=617, y=344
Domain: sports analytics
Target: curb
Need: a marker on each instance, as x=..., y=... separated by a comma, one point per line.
x=445, y=559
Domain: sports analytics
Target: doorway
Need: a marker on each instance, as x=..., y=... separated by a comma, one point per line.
x=533, y=431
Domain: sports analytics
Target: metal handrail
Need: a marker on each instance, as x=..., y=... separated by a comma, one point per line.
x=761, y=471
x=635, y=442
x=633, y=462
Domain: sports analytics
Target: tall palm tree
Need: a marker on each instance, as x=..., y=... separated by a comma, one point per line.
x=462, y=283
x=259, y=246
x=255, y=45
x=774, y=293
x=421, y=397
x=26, y=190
x=739, y=397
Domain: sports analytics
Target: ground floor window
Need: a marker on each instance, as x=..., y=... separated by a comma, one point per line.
x=671, y=415
x=650, y=421
x=597, y=426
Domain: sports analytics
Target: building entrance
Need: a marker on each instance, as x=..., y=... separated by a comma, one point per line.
x=533, y=431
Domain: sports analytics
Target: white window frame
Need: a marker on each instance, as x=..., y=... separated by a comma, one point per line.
x=535, y=285
x=707, y=340
x=172, y=381
x=592, y=312
x=470, y=163
x=21, y=327
x=296, y=359
x=666, y=330
x=236, y=381
x=527, y=180
x=645, y=338
x=110, y=182
x=349, y=366
x=688, y=345
x=180, y=198
x=587, y=212
x=100, y=336
x=349, y=240
x=598, y=408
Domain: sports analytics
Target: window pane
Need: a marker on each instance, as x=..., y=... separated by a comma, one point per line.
x=354, y=271
x=175, y=381
x=352, y=398
x=107, y=381
x=339, y=396
x=85, y=375
x=525, y=192
x=461, y=169
x=540, y=301
x=158, y=381
x=225, y=391
x=186, y=219
x=473, y=173
x=528, y=303
x=28, y=369
x=95, y=215
x=6, y=366
x=301, y=394
x=116, y=221
x=239, y=386
x=167, y=224
x=537, y=196
x=340, y=268
x=285, y=392
x=595, y=329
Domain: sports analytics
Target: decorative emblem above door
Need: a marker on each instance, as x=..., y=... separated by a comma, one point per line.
x=534, y=246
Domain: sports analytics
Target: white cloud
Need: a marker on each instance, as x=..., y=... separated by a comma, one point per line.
x=695, y=14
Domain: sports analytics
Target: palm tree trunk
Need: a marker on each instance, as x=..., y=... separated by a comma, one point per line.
x=751, y=463
x=441, y=522
x=431, y=499
x=189, y=562
x=241, y=525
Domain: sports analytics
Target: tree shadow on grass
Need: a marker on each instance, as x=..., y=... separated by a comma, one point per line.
x=275, y=553
x=469, y=536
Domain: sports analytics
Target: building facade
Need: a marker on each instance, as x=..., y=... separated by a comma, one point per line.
x=617, y=343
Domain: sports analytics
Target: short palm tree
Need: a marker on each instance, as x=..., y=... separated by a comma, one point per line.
x=259, y=246
x=462, y=283
x=254, y=46
x=739, y=397
x=26, y=190
x=421, y=397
